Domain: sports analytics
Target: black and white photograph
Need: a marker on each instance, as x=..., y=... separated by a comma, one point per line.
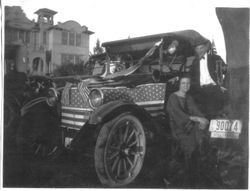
x=134, y=94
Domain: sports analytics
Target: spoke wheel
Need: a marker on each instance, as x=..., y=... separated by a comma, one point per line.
x=42, y=151
x=33, y=148
x=127, y=60
x=120, y=151
x=38, y=138
x=11, y=120
x=8, y=115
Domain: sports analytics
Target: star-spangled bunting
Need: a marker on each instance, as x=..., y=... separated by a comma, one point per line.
x=84, y=91
x=65, y=94
x=149, y=96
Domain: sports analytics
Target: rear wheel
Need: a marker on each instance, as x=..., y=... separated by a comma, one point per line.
x=38, y=137
x=120, y=151
x=9, y=115
x=11, y=120
x=34, y=146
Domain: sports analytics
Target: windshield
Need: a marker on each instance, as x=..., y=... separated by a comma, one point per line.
x=108, y=67
x=98, y=69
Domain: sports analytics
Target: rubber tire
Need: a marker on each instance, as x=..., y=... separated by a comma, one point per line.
x=11, y=121
x=101, y=144
x=37, y=135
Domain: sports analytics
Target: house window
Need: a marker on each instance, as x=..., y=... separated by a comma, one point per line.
x=64, y=59
x=77, y=60
x=71, y=39
x=14, y=35
x=71, y=59
x=27, y=39
x=8, y=34
x=78, y=39
x=21, y=36
x=44, y=37
x=35, y=39
x=64, y=37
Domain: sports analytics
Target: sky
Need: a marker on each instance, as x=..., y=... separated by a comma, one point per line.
x=120, y=19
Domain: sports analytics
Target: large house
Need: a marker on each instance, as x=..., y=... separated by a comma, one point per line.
x=39, y=47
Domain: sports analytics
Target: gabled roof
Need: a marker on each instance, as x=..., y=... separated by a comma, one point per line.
x=71, y=26
x=89, y=32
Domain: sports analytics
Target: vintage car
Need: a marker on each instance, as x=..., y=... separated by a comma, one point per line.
x=119, y=112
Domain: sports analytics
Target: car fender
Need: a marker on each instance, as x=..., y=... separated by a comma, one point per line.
x=115, y=108
x=109, y=111
x=12, y=99
x=105, y=114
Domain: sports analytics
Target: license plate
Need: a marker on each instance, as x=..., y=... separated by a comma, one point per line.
x=222, y=128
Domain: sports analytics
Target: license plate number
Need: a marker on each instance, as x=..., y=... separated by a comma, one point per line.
x=222, y=128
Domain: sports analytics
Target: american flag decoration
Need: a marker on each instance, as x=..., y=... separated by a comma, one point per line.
x=65, y=94
x=74, y=118
x=77, y=112
x=83, y=90
x=149, y=96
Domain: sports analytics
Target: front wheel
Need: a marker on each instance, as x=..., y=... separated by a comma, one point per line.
x=120, y=151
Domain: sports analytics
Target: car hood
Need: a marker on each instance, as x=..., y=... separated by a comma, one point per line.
x=128, y=81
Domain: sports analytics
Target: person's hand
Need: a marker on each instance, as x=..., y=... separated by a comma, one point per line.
x=203, y=122
x=158, y=43
x=194, y=118
x=173, y=80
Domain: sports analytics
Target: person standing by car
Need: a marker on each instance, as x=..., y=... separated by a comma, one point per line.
x=198, y=63
x=187, y=123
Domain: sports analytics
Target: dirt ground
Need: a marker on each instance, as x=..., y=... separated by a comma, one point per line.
x=72, y=170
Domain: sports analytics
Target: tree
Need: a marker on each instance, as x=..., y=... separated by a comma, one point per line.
x=98, y=49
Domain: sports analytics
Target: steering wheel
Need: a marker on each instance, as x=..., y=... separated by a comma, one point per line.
x=127, y=60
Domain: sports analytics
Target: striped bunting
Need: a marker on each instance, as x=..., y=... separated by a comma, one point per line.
x=153, y=107
x=76, y=110
x=84, y=91
x=65, y=94
x=74, y=118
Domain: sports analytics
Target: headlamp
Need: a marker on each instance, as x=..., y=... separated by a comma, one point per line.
x=52, y=97
x=95, y=98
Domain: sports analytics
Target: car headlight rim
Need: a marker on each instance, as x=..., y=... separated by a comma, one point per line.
x=96, y=101
x=52, y=97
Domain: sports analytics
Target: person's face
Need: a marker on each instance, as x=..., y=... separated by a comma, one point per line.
x=185, y=85
x=200, y=50
x=112, y=68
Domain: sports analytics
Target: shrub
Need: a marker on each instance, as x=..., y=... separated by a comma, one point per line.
x=70, y=69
